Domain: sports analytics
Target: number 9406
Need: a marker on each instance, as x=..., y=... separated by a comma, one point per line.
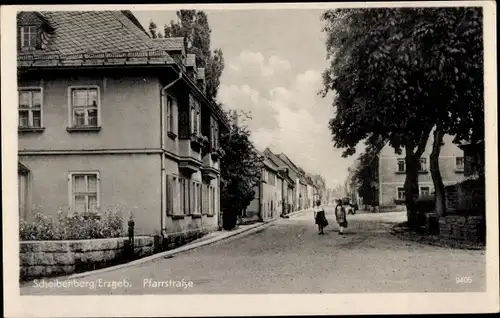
x=463, y=280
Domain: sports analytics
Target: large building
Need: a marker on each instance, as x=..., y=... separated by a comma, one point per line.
x=110, y=117
x=392, y=171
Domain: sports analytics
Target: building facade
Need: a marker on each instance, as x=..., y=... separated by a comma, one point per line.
x=392, y=171
x=110, y=117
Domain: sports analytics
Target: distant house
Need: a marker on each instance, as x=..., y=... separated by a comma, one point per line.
x=392, y=171
x=269, y=191
x=295, y=174
x=268, y=200
x=109, y=116
x=310, y=191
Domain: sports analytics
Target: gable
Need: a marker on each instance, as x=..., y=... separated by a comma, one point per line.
x=26, y=18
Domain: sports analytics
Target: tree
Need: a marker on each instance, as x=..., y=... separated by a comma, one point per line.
x=399, y=46
x=366, y=176
x=241, y=173
x=193, y=26
x=153, y=30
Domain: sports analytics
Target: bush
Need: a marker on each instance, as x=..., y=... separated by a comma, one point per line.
x=72, y=226
x=425, y=204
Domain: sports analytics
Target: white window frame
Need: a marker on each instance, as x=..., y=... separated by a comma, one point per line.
x=23, y=32
x=457, y=168
x=70, y=105
x=30, y=110
x=397, y=193
x=424, y=160
x=404, y=165
x=428, y=188
x=71, y=195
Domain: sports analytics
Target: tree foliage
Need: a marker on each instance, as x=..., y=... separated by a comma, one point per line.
x=367, y=179
x=193, y=26
x=241, y=173
x=400, y=73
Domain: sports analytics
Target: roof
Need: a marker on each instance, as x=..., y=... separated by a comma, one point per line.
x=170, y=44
x=78, y=32
x=289, y=162
x=21, y=168
x=275, y=159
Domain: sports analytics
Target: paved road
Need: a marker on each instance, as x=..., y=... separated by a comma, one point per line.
x=290, y=257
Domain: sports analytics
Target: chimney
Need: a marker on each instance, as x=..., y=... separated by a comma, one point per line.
x=201, y=80
x=191, y=66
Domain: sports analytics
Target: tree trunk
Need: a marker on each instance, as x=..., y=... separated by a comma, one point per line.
x=411, y=188
x=437, y=180
x=412, y=154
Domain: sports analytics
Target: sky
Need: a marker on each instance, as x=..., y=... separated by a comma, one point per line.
x=273, y=65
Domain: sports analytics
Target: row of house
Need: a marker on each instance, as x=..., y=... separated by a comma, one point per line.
x=110, y=117
x=284, y=188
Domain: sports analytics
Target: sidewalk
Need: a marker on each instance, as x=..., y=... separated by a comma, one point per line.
x=205, y=240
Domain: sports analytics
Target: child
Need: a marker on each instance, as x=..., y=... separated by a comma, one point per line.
x=340, y=214
x=320, y=218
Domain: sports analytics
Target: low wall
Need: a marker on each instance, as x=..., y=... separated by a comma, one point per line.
x=462, y=228
x=52, y=258
x=55, y=258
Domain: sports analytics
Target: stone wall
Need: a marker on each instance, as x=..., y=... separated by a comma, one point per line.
x=52, y=258
x=463, y=228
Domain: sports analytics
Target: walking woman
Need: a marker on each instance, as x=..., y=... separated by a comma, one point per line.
x=340, y=214
x=319, y=216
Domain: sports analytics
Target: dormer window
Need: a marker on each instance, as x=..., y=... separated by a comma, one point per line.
x=29, y=37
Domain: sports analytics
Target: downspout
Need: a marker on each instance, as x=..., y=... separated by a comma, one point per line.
x=162, y=142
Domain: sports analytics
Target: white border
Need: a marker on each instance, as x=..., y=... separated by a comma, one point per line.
x=218, y=305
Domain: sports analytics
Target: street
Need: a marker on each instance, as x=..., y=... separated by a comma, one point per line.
x=290, y=257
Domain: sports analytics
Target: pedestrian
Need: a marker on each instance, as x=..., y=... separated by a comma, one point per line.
x=340, y=214
x=320, y=218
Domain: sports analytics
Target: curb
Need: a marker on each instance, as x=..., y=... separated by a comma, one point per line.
x=247, y=230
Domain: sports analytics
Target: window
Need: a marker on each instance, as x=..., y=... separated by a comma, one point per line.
x=30, y=107
x=422, y=165
x=425, y=191
x=170, y=114
x=401, y=193
x=84, y=104
x=401, y=165
x=84, y=188
x=28, y=37
x=195, y=198
x=459, y=163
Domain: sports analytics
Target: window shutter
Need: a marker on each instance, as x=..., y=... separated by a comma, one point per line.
x=170, y=196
